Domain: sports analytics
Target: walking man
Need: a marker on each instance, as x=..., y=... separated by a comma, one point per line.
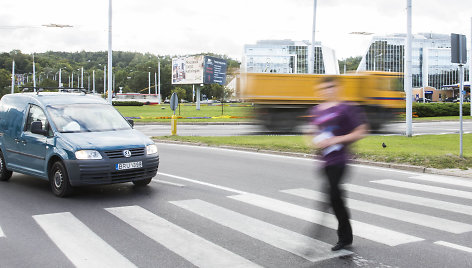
x=339, y=124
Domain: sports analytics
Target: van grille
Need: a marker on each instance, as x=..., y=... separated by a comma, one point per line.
x=119, y=153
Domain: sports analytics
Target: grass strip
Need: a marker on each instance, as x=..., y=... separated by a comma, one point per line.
x=207, y=113
x=435, y=151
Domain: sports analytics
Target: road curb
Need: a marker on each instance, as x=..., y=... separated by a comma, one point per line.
x=405, y=167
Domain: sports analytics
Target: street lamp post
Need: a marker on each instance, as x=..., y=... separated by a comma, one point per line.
x=110, y=60
x=407, y=77
x=311, y=52
x=159, y=80
x=13, y=77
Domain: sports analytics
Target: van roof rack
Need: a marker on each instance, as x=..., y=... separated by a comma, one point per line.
x=59, y=89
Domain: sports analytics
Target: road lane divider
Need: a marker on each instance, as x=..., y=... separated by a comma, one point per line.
x=437, y=223
x=300, y=245
x=410, y=199
x=193, y=248
x=360, y=229
x=168, y=183
x=444, y=180
x=80, y=244
x=426, y=188
x=224, y=188
x=454, y=246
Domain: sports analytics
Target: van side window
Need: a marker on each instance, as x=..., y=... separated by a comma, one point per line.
x=36, y=114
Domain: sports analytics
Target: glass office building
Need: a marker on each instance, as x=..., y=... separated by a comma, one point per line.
x=287, y=56
x=431, y=58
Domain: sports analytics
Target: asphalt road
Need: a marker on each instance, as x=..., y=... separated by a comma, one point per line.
x=213, y=207
x=420, y=128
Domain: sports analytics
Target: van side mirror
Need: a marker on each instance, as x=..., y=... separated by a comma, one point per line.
x=131, y=122
x=37, y=128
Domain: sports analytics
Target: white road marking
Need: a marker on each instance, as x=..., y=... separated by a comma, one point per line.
x=411, y=199
x=203, y=183
x=80, y=244
x=168, y=183
x=364, y=230
x=444, y=180
x=426, y=188
x=191, y=247
x=389, y=212
x=300, y=245
x=1, y=233
x=454, y=246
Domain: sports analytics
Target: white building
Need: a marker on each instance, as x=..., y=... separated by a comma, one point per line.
x=287, y=56
x=431, y=58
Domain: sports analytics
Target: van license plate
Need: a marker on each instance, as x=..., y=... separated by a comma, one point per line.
x=130, y=165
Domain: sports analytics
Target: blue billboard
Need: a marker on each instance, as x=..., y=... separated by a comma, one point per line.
x=214, y=71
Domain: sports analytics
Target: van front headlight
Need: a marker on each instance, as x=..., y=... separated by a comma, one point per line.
x=88, y=155
x=151, y=149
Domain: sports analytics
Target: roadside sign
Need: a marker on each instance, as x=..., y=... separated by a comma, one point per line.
x=458, y=48
x=174, y=102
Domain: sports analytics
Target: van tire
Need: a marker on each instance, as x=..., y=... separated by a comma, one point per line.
x=59, y=180
x=142, y=183
x=5, y=174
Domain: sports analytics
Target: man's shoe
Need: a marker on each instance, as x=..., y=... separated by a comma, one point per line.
x=340, y=245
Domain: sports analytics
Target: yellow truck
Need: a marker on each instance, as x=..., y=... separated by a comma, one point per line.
x=283, y=101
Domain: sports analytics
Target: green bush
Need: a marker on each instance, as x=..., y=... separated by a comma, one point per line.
x=439, y=109
x=127, y=103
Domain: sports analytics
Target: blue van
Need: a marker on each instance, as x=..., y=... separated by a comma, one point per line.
x=72, y=139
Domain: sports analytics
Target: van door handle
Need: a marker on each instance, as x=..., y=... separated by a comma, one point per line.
x=17, y=140
x=24, y=142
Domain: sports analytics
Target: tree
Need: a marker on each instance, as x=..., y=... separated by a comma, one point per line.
x=351, y=64
x=181, y=93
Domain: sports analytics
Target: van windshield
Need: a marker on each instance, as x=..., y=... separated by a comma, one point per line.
x=73, y=118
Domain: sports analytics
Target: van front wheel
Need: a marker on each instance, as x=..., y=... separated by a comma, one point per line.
x=142, y=183
x=5, y=174
x=59, y=180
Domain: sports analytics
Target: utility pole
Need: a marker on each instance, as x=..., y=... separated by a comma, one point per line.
x=155, y=83
x=149, y=82
x=93, y=81
x=159, y=81
x=34, y=75
x=110, y=60
x=407, y=76
x=311, y=51
x=13, y=77
x=82, y=78
x=104, y=80
x=60, y=80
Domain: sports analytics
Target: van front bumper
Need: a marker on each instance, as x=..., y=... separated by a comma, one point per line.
x=104, y=171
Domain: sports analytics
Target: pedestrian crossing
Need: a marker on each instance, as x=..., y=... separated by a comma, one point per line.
x=83, y=247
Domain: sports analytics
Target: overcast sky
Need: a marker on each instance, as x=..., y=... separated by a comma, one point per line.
x=182, y=27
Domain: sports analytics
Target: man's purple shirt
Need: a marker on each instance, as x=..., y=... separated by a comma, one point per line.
x=337, y=120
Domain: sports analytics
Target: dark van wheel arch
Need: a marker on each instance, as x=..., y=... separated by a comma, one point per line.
x=5, y=174
x=59, y=180
x=142, y=183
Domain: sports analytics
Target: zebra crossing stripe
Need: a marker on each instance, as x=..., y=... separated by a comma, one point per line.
x=444, y=180
x=426, y=188
x=411, y=199
x=455, y=246
x=389, y=212
x=193, y=248
x=300, y=245
x=364, y=230
x=1, y=233
x=80, y=244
